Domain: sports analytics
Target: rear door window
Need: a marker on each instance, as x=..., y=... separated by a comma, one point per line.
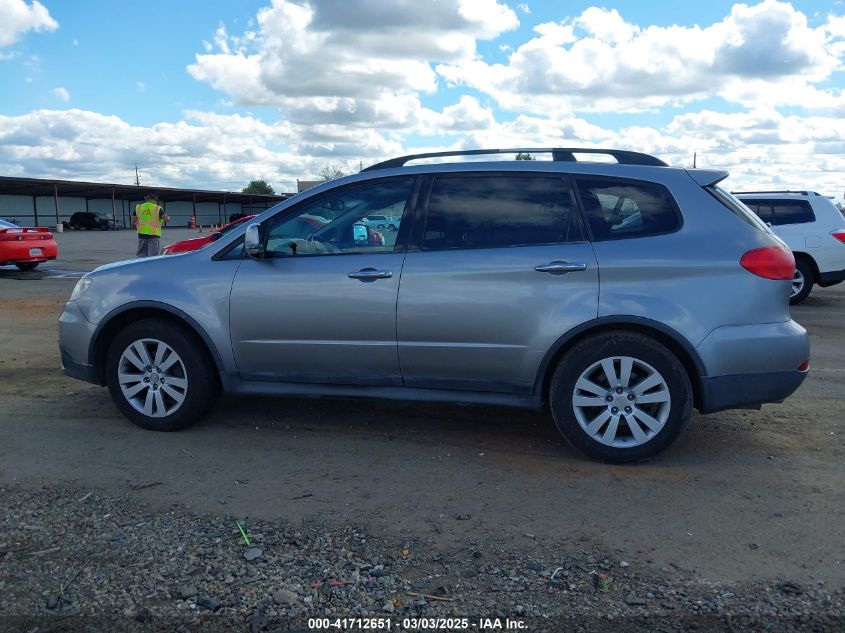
x=480, y=211
x=620, y=208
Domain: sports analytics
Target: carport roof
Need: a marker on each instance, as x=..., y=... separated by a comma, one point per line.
x=10, y=185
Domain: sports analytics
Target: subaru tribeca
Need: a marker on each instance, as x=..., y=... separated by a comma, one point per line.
x=620, y=294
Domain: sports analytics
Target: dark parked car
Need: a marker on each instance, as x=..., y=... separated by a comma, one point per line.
x=89, y=220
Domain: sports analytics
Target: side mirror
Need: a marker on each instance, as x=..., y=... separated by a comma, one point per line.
x=252, y=241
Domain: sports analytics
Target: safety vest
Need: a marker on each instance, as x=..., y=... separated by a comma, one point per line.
x=149, y=220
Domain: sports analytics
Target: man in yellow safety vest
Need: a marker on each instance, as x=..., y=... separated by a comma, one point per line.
x=148, y=219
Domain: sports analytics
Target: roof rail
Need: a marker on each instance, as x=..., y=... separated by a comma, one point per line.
x=801, y=193
x=567, y=154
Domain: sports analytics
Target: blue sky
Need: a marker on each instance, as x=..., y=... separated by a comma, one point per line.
x=212, y=94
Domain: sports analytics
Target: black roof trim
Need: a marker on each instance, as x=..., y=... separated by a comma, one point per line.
x=800, y=193
x=565, y=154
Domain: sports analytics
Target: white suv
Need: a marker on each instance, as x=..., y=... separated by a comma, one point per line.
x=812, y=227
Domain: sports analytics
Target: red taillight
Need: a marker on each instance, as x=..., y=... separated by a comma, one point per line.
x=839, y=234
x=804, y=366
x=771, y=262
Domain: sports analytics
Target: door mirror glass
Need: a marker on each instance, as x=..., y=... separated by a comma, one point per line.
x=252, y=241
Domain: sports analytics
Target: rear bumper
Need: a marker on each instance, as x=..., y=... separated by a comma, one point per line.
x=750, y=365
x=742, y=391
x=831, y=278
x=12, y=252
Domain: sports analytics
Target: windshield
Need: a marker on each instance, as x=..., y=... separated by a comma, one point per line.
x=7, y=225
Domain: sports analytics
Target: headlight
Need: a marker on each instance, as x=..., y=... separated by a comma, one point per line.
x=79, y=289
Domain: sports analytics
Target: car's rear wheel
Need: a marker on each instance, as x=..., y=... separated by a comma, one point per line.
x=159, y=376
x=620, y=397
x=27, y=265
x=802, y=282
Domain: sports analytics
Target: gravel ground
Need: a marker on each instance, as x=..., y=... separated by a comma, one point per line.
x=361, y=509
x=72, y=560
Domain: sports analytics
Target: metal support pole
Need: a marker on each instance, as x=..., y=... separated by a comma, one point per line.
x=86, y=205
x=113, y=212
x=35, y=209
x=194, y=198
x=56, y=202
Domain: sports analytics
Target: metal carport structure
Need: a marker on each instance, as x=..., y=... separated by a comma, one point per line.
x=117, y=201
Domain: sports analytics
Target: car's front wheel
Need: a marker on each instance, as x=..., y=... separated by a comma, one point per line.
x=620, y=397
x=159, y=376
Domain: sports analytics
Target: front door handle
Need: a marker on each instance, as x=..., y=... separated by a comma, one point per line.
x=371, y=274
x=560, y=267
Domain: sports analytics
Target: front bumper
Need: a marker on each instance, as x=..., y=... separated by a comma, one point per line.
x=75, y=334
x=745, y=391
x=75, y=369
x=831, y=278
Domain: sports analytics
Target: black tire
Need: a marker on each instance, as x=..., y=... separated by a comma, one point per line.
x=643, y=349
x=391, y=227
x=805, y=268
x=201, y=374
x=26, y=265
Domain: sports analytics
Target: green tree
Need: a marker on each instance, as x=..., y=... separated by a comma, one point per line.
x=524, y=156
x=330, y=172
x=260, y=187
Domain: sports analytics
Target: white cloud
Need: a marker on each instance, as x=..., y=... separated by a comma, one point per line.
x=363, y=62
x=61, y=93
x=140, y=86
x=762, y=148
x=17, y=18
x=599, y=62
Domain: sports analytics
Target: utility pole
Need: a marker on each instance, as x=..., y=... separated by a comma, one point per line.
x=694, y=157
x=137, y=182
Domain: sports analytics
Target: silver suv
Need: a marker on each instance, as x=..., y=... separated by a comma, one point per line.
x=620, y=294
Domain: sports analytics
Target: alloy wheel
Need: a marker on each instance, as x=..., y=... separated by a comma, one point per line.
x=152, y=377
x=621, y=401
x=797, y=283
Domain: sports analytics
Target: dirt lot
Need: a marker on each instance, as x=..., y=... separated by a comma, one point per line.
x=748, y=503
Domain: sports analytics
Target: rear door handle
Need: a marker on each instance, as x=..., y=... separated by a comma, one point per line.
x=560, y=267
x=371, y=274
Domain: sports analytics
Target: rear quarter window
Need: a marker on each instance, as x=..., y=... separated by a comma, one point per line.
x=618, y=209
x=738, y=207
x=792, y=212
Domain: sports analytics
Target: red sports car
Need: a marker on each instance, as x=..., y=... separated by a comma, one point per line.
x=26, y=247
x=194, y=243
